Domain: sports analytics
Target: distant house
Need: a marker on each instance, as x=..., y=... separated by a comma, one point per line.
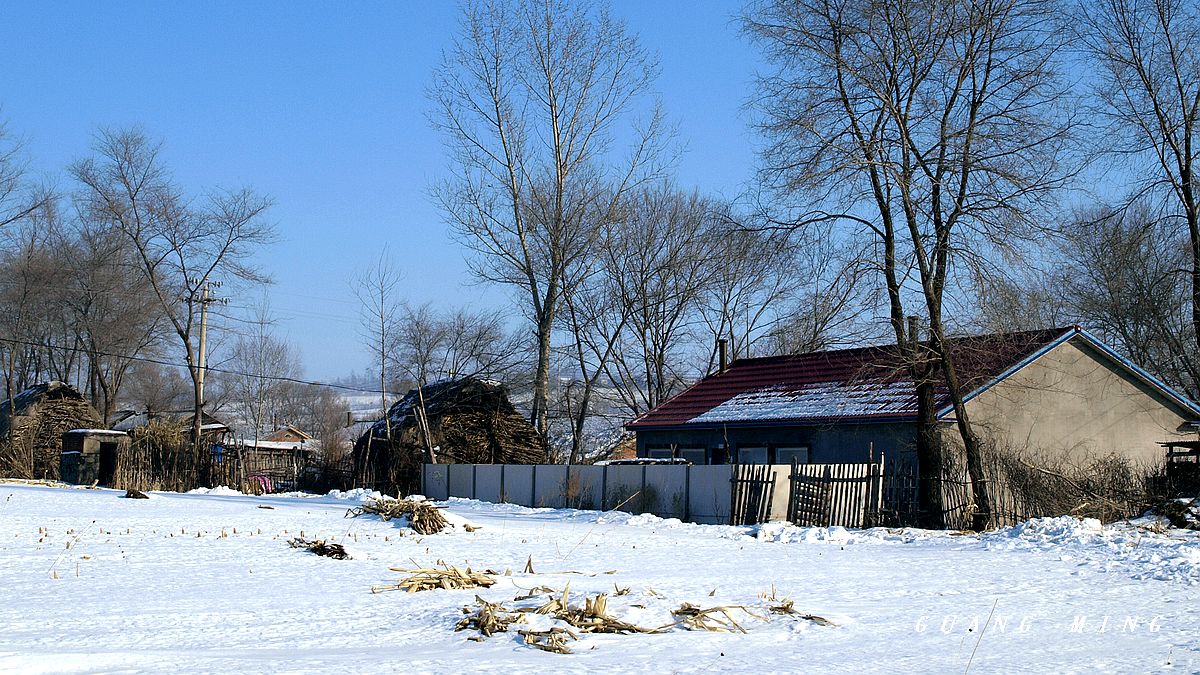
x=1059, y=391
x=37, y=418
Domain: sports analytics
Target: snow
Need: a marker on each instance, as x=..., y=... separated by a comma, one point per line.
x=206, y=582
x=825, y=400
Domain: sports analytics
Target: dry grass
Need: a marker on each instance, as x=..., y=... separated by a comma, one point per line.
x=423, y=517
x=447, y=577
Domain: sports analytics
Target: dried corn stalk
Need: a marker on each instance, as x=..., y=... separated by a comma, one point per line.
x=423, y=517
x=447, y=577
x=553, y=640
x=717, y=619
x=491, y=617
x=787, y=606
x=321, y=547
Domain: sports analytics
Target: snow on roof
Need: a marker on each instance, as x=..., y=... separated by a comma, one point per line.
x=98, y=432
x=273, y=445
x=863, y=383
x=824, y=400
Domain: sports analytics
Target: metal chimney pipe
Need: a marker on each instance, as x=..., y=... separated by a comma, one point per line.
x=722, y=354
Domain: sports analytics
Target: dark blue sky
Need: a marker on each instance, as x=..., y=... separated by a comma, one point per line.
x=322, y=106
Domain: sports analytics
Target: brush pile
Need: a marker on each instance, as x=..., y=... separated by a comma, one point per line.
x=1181, y=513
x=321, y=547
x=446, y=577
x=422, y=516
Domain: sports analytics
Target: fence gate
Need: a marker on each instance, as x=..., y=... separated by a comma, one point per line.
x=822, y=495
x=753, y=489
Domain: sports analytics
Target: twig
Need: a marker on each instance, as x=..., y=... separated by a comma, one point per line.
x=980, y=638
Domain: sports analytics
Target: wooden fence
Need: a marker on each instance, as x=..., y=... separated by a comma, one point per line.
x=849, y=495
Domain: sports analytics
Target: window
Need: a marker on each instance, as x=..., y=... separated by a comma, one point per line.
x=694, y=455
x=752, y=455
x=658, y=453
x=786, y=455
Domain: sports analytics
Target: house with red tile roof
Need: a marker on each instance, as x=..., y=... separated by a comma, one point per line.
x=1060, y=391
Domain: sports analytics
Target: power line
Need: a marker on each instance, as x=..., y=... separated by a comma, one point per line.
x=275, y=378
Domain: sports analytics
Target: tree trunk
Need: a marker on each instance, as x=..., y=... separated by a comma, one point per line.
x=930, y=512
x=541, y=385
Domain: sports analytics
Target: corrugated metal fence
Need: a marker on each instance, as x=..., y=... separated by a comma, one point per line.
x=722, y=494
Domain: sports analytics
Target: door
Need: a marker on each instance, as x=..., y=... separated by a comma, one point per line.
x=108, y=463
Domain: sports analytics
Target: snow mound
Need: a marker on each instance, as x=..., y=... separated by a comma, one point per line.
x=1052, y=531
x=220, y=490
x=359, y=495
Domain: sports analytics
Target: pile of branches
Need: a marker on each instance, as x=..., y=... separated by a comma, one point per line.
x=1181, y=513
x=423, y=517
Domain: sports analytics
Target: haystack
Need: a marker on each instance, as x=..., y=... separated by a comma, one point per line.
x=44, y=412
x=470, y=421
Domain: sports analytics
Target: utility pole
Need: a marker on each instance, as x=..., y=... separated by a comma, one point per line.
x=206, y=299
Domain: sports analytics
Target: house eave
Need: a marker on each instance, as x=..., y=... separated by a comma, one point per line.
x=745, y=424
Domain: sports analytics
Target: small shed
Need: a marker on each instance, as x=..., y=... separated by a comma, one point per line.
x=35, y=421
x=470, y=421
x=90, y=455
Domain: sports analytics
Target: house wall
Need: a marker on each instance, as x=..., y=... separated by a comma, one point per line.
x=828, y=444
x=1075, y=401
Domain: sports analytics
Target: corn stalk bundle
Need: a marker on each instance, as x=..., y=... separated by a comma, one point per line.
x=447, y=577
x=423, y=517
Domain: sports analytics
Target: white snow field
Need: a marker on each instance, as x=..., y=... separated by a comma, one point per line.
x=93, y=582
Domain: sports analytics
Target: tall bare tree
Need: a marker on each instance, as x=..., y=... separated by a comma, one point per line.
x=431, y=344
x=530, y=98
x=260, y=368
x=377, y=289
x=180, y=244
x=659, y=263
x=18, y=198
x=1148, y=87
x=113, y=310
x=933, y=128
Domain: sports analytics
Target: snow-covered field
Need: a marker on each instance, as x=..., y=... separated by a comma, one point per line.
x=93, y=582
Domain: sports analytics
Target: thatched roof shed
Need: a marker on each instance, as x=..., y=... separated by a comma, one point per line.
x=44, y=412
x=470, y=421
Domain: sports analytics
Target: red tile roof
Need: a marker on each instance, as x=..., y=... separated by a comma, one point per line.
x=848, y=384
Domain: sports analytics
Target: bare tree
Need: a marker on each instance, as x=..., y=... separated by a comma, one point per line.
x=259, y=373
x=431, y=344
x=529, y=98
x=376, y=288
x=659, y=264
x=180, y=244
x=113, y=310
x=154, y=388
x=18, y=199
x=1149, y=90
x=933, y=128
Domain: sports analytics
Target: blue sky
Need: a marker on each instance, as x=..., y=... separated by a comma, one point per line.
x=322, y=107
